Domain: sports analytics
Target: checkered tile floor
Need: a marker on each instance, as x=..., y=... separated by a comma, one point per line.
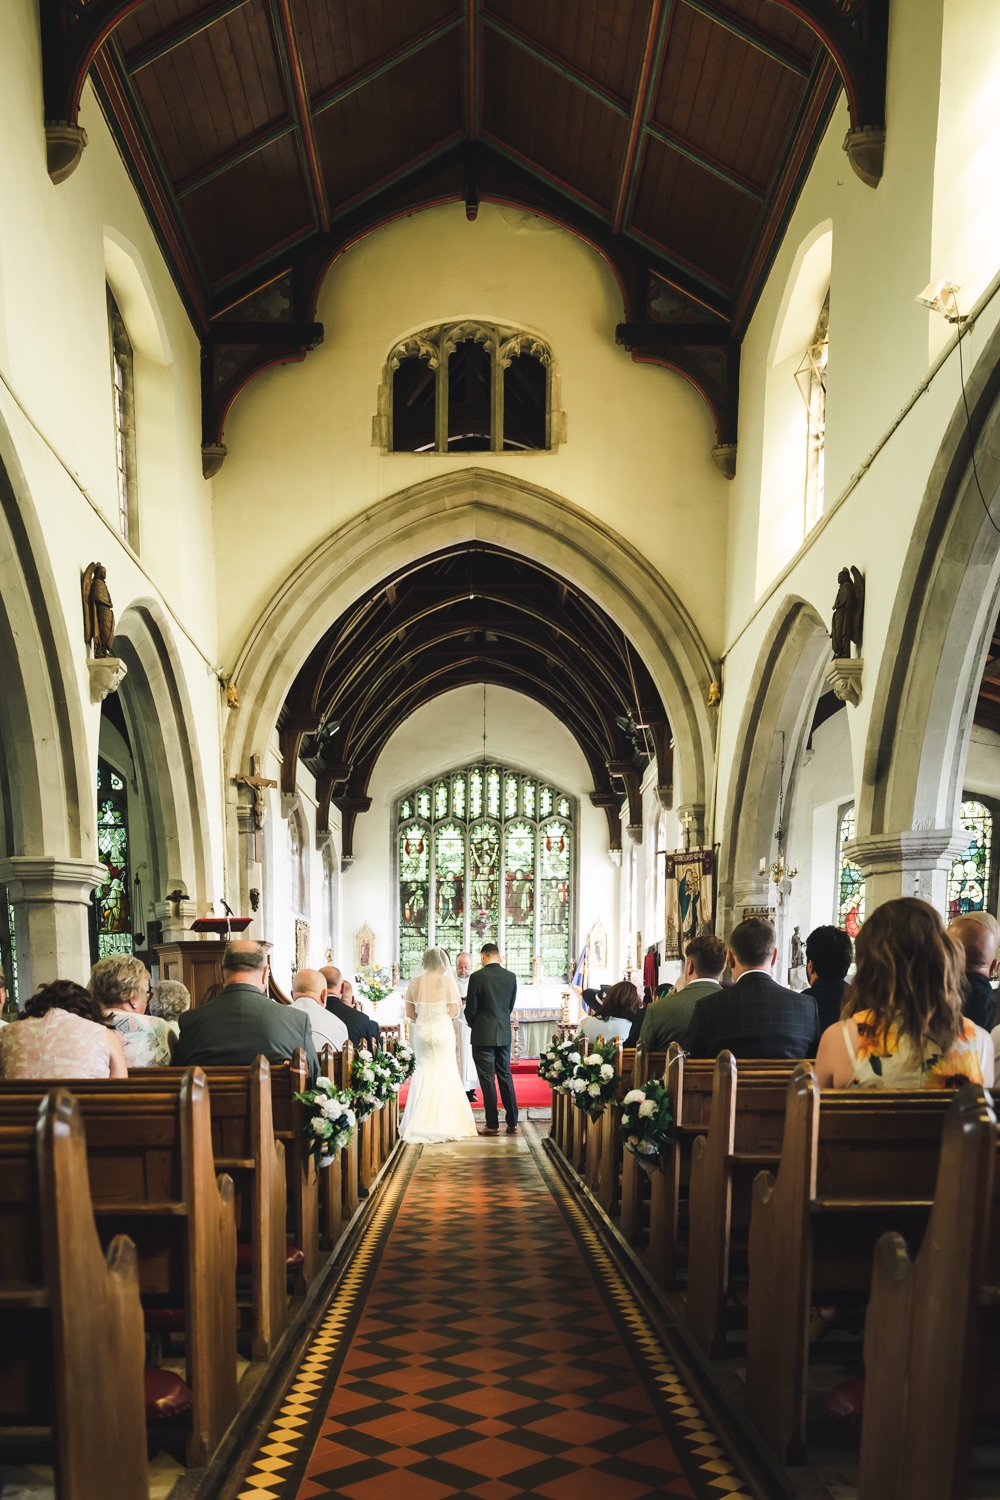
x=484, y=1344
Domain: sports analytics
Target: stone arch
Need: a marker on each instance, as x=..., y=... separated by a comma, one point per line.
x=48, y=813
x=782, y=697
x=165, y=746
x=943, y=617
x=478, y=505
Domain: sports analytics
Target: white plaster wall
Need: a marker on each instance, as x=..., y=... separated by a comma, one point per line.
x=982, y=769
x=448, y=733
x=637, y=450
x=55, y=395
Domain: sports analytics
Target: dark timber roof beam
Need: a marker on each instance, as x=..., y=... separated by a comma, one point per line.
x=657, y=31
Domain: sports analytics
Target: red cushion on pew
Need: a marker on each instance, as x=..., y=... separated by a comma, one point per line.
x=244, y=1258
x=167, y=1318
x=846, y=1402
x=167, y=1395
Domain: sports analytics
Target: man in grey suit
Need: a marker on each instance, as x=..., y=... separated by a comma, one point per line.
x=242, y=1021
x=488, y=1007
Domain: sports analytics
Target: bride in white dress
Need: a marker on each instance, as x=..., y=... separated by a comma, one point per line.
x=436, y=1107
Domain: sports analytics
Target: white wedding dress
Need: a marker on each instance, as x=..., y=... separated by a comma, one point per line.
x=436, y=1106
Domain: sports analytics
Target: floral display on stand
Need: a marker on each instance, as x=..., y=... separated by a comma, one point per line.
x=375, y=984
x=647, y=1123
x=364, y=1084
x=330, y=1120
x=595, y=1078
x=556, y=1064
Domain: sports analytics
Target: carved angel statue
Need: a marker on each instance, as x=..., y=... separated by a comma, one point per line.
x=98, y=611
x=848, y=612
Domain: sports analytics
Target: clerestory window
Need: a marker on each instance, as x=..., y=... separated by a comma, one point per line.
x=123, y=399
x=811, y=380
x=467, y=388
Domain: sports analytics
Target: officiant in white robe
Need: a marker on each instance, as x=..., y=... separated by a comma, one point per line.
x=463, y=1032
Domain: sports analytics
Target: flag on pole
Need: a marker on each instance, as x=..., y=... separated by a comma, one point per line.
x=581, y=974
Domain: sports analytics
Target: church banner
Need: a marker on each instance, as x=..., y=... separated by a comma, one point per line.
x=690, y=897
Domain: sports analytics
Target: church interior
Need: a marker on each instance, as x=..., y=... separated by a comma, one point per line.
x=475, y=472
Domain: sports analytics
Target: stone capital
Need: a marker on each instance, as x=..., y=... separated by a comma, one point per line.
x=42, y=878
x=175, y=918
x=913, y=849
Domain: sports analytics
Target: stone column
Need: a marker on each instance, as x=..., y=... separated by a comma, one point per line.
x=51, y=901
x=914, y=863
x=250, y=870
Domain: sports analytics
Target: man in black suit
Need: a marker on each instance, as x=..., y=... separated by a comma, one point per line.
x=488, y=1007
x=828, y=957
x=242, y=1021
x=362, y=1030
x=754, y=1017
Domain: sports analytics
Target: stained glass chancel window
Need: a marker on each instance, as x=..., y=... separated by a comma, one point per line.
x=111, y=899
x=969, y=881
x=414, y=876
x=486, y=860
x=850, y=911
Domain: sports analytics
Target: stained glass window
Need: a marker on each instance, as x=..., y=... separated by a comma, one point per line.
x=488, y=858
x=449, y=882
x=519, y=898
x=414, y=880
x=850, y=911
x=553, y=899
x=969, y=881
x=8, y=947
x=111, y=899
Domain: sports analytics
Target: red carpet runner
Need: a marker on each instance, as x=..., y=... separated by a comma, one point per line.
x=483, y=1344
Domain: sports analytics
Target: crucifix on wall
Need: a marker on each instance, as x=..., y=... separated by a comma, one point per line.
x=257, y=784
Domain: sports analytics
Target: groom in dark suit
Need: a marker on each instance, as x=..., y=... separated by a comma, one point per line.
x=488, y=1007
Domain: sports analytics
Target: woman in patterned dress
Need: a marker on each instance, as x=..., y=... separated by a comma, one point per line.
x=62, y=1033
x=120, y=985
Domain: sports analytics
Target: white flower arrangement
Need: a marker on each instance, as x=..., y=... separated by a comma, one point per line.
x=595, y=1078
x=647, y=1122
x=330, y=1122
x=556, y=1063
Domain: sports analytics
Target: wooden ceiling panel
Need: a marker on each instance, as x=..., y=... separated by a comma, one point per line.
x=208, y=95
x=547, y=119
x=693, y=214
x=725, y=97
x=775, y=21
x=151, y=20
x=392, y=120
x=255, y=205
x=603, y=40
x=338, y=38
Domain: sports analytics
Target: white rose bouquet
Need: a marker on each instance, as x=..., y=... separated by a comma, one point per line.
x=594, y=1083
x=364, y=1084
x=330, y=1120
x=647, y=1123
x=560, y=1058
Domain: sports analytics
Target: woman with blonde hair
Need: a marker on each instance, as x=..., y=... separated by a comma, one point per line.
x=902, y=1025
x=120, y=985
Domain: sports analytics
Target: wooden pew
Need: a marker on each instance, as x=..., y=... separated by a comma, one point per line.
x=744, y=1135
x=152, y=1176
x=931, y=1345
x=66, y=1308
x=633, y=1180
x=338, y=1181
x=689, y=1085
x=852, y=1166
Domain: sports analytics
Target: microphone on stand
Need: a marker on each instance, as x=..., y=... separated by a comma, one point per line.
x=229, y=926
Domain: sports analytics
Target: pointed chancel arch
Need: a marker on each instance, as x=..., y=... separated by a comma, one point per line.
x=941, y=626
x=165, y=746
x=48, y=816
x=782, y=697
x=481, y=508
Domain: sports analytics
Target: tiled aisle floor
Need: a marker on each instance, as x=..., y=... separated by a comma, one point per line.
x=484, y=1344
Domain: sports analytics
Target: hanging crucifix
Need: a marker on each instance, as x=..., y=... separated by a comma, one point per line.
x=257, y=784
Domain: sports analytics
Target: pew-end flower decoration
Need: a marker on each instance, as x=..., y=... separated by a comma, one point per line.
x=647, y=1123
x=330, y=1120
x=594, y=1083
x=364, y=1084
x=557, y=1062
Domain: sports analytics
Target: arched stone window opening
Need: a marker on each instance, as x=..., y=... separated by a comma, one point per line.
x=486, y=854
x=467, y=388
x=298, y=886
x=112, y=912
x=973, y=878
x=123, y=406
x=850, y=910
x=810, y=377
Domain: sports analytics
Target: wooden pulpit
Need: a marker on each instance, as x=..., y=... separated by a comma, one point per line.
x=198, y=964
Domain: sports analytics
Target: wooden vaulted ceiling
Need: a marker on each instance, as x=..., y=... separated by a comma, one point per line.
x=471, y=616
x=266, y=135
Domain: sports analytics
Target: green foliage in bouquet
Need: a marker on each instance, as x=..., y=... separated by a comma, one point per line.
x=375, y=985
x=330, y=1120
x=647, y=1122
x=595, y=1078
x=556, y=1064
x=364, y=1084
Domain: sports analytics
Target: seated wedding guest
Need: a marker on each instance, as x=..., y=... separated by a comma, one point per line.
x=120, y=985
x=828, y=958
x=309, y=996
x=347, y=994
x=61, y=1033
x=242, y=1021
x=169, y=999
x=977, y=933
x=668, y=1018
x=362, y=1030
x=906, y=1029
x=616, y=1015
x=754, y=1016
